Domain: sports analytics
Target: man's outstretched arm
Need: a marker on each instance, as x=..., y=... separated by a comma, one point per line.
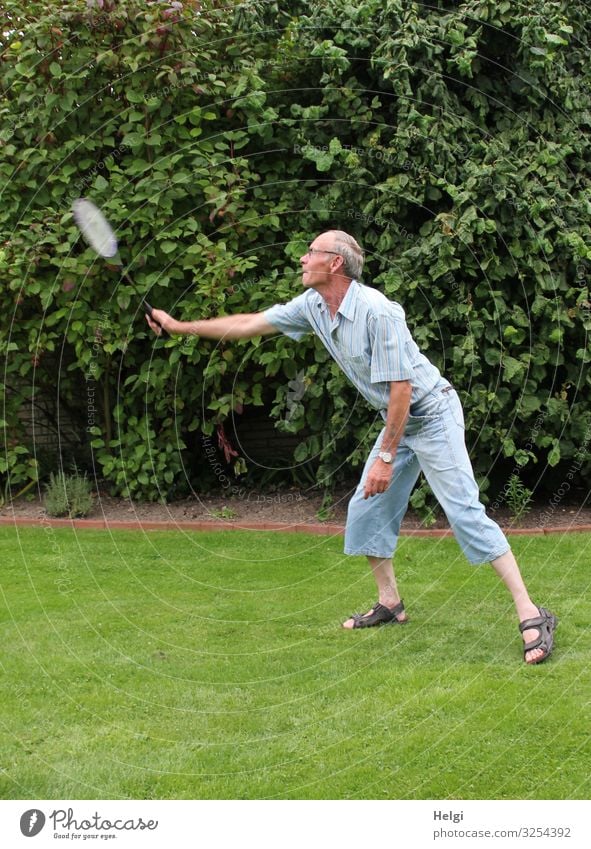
x=240, y=326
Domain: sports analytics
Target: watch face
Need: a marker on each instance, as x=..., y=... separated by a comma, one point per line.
x=385, y=456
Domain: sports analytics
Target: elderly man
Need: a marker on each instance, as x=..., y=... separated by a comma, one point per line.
x=368, y=337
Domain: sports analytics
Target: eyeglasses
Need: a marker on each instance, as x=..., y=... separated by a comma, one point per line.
x=312, y=251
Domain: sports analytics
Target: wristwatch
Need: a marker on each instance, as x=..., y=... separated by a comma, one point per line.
x=386, y=457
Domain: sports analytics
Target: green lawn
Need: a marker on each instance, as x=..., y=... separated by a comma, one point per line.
x=193, y=665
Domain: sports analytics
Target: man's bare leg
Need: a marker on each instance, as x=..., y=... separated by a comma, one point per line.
x=506, y=568
x=508, y=571
x=383, y=572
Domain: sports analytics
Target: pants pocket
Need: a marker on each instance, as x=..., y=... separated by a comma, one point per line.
x=455, y=408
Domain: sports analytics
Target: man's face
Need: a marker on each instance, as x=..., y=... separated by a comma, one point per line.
x=320, y=262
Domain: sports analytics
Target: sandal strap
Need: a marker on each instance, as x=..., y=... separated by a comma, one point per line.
x=528, y=624
x=540, y=643
x=393, y=611
x=538, y=622
x=380, y=615
x=545, y=625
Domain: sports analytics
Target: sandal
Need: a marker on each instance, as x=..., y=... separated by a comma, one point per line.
x=545, y=624
x=380, y=615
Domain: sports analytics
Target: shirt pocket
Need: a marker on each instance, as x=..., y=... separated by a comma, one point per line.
x=351, y=348
x=359, y=360
x=355, y=357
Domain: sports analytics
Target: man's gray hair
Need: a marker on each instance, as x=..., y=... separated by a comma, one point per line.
x=351, y=251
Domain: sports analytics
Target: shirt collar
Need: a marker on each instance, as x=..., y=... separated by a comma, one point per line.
x=349, y=303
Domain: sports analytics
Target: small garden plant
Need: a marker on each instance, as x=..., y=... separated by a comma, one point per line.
x=68, y=495
x=518, y=497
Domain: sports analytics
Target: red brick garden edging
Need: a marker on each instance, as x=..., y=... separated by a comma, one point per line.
x=237, y=525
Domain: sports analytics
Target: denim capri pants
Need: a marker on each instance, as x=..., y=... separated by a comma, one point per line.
x=434, y=443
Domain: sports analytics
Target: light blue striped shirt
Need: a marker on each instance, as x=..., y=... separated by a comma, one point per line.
x=368, y=338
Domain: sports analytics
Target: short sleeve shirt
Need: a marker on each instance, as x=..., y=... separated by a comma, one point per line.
x=368, y=337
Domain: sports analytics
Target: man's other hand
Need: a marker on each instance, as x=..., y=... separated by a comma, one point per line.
x=378, y=479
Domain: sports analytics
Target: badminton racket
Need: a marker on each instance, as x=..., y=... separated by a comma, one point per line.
x=99, y=235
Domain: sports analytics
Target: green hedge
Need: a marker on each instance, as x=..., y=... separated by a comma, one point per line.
x=451, y=139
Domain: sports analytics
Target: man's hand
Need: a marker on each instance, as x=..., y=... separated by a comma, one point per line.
x=378, y=479
x=160, y=321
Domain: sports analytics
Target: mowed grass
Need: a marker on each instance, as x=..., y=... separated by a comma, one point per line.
x=213, y=666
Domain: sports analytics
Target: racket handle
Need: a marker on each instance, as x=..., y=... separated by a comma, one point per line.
x=149, y=309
